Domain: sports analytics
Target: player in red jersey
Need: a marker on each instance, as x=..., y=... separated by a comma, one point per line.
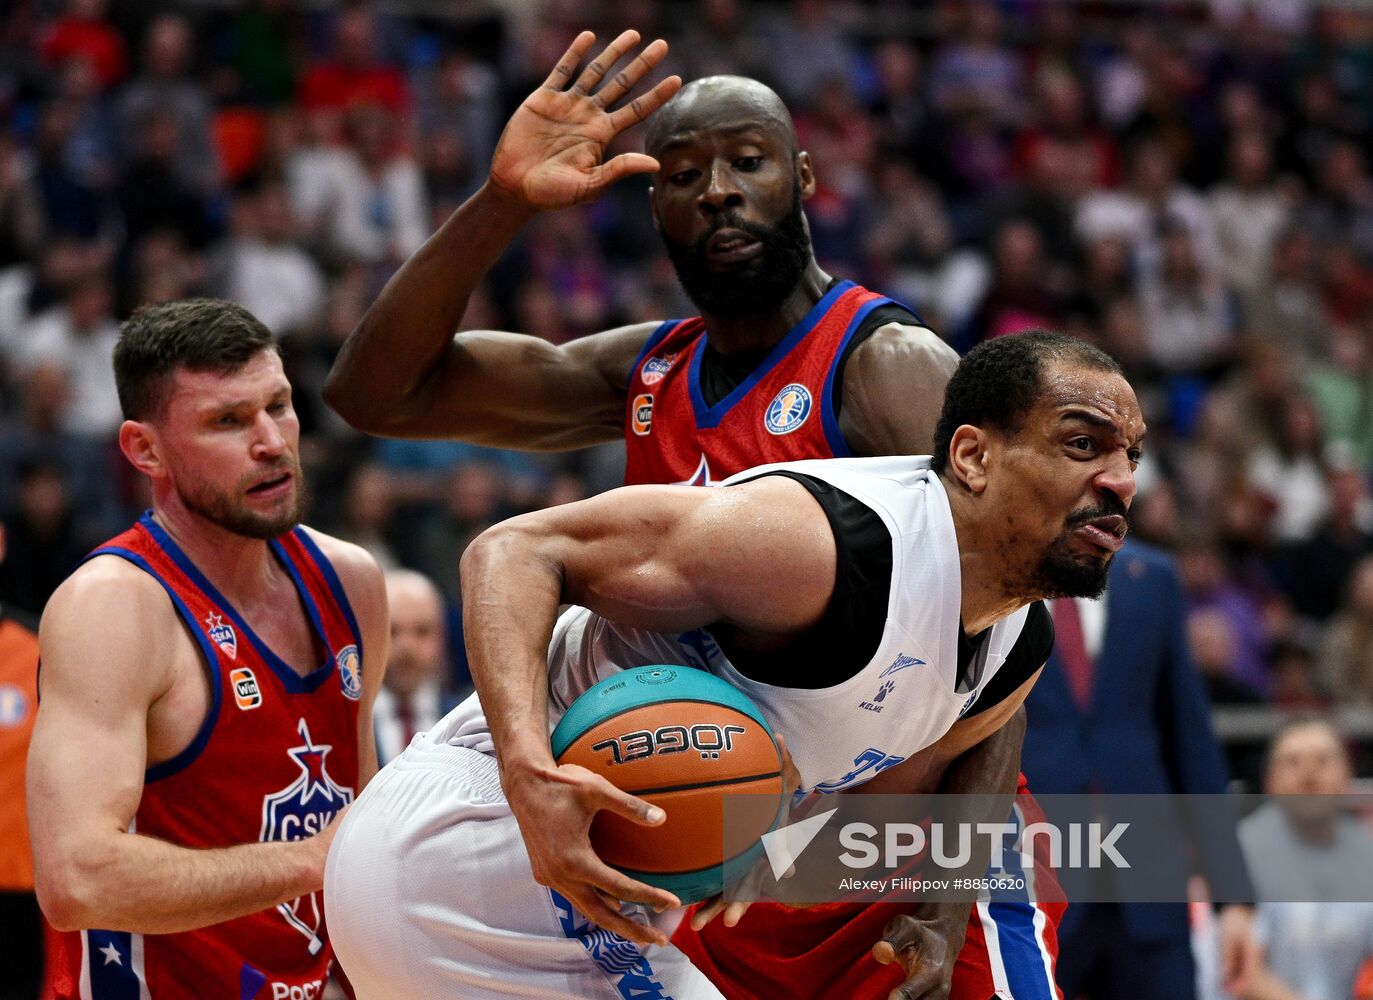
x=783, y=363
x=207, y=682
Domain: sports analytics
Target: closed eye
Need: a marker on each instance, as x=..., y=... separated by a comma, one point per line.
x=683, y=177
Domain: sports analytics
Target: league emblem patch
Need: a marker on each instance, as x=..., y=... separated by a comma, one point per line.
x=655, y=369
x=223, y=635
x=246, y=692
x=350, y=672
x=788, y=409
x=641, y=413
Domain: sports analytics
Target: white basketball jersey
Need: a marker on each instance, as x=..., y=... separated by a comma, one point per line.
x=905, y=698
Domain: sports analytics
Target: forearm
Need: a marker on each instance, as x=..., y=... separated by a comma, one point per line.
x=510, y=597
x=991, y=769
x=135, y=883
x=398, y=348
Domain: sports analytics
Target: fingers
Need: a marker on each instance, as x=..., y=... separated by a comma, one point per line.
x=707, y=912
x=735, y=911
x=604, y=795
x=924, y=984
x=622, y=166
x=603, y=913
x=901, y=932
x=791, y=777
x=596, y=69
x=641, y=107
x=621, y=886
x=622, y=82
x=567, y=65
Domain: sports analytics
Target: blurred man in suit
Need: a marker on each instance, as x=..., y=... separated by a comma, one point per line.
x=412, y=697
x=1121, y=710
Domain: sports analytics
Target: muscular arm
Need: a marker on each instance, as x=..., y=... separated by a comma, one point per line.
x=403, y=372
x=893, y=390
x=659, y=557
x=85, y=775
x=655, y=557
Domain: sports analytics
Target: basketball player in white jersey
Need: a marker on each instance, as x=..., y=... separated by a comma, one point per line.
x=811, y=575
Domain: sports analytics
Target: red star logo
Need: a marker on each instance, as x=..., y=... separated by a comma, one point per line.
x=311, y=761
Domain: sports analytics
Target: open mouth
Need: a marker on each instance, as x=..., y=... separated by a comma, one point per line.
x=271, y=487
x=1104, y=532
x=729, y=246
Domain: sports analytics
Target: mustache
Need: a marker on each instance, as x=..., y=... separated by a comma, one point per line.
x=1107, y=508
x=728, y=220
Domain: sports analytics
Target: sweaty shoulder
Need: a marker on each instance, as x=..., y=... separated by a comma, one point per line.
x=893, y=391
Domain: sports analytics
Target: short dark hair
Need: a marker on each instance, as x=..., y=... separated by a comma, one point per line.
x=1000, y=380
x=195, y=334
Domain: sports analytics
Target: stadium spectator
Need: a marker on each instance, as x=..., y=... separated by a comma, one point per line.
x=166, y=87
x=1299, y=848
x=1347, y=655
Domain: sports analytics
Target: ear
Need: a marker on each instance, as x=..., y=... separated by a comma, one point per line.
x=968, y=457
x=139, y=443
x=805, y=176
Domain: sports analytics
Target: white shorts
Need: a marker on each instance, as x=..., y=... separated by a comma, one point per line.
x=428, y=893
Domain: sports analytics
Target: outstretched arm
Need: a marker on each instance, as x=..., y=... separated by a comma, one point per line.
x=656, y=557
x=85, y=775
x=403, y=372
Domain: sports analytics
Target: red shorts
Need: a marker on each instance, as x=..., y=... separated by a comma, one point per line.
x=824, y=952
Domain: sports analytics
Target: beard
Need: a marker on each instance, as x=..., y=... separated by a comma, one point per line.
x=762, y=284
x=227, y=510
x=1062, y=573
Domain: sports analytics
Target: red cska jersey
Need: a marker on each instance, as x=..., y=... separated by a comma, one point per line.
x=784, y=411
x=275, y=759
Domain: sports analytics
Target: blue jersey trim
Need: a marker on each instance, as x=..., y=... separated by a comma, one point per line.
x=112, y=978
x=326, y=569
x=654, y=339
x=293, y=682
x=1013, y=912
x=620, y=959
x=187, y=756
x=829, y=419
x=708, y=417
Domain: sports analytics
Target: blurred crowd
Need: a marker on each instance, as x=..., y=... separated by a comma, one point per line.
x=1187, y=185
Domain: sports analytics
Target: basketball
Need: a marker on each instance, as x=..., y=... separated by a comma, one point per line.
x=681, y=739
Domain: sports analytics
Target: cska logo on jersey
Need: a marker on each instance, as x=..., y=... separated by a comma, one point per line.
x=655, y=369
x=222, y=635
x=306, y=805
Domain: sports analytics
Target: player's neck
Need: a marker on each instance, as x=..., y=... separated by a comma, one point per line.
x=986, y=593
x=240, y=567
x=730, y=335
